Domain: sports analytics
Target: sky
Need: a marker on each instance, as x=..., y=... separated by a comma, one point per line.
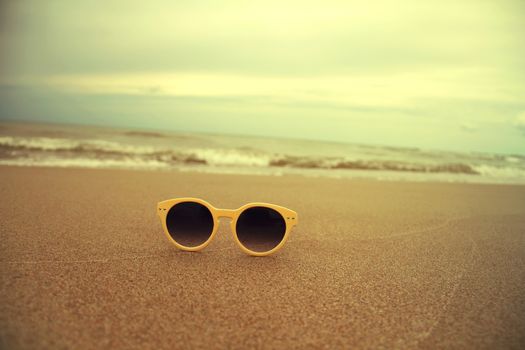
x=436, y=74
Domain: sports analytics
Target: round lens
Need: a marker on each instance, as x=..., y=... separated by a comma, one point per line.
x=260, y=229
x=189, y=223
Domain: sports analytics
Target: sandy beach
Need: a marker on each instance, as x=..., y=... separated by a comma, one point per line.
x=85, y=265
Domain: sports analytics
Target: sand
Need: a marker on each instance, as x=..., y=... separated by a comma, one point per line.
x=85, y=265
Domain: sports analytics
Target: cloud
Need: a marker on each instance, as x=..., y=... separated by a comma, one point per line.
x=258, y=37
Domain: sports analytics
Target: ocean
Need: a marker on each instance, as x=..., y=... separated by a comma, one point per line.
x=53, y=145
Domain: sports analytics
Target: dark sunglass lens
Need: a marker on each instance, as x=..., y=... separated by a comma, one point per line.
x=189, y=223
x=260, y=229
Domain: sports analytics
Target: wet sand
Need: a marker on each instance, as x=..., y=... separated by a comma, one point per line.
x=85, y=265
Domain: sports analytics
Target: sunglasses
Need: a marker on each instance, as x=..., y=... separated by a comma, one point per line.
x=258, y=228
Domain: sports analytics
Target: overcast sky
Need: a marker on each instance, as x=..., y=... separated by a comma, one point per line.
x=433, y=74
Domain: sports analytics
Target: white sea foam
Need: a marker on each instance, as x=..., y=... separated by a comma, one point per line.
x=501, y=172
x=65, y=144
x=42, y=143
x=246, y=156
x=232, y=157
x=85, y=163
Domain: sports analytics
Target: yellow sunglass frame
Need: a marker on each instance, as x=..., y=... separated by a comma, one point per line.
x=290, y=217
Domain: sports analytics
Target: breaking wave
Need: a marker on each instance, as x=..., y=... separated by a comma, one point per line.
x=102, y=153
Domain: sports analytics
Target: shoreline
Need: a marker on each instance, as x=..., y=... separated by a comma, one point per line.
x=212, y=172
x=65, y=146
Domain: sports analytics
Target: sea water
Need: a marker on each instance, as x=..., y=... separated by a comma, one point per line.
x=29, y=144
